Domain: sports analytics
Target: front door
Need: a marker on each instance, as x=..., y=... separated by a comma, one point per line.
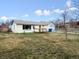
x=50, y=30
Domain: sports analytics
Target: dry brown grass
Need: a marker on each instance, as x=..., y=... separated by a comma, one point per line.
x=38, y=46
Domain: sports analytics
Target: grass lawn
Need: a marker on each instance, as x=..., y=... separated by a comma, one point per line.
x=39, y=46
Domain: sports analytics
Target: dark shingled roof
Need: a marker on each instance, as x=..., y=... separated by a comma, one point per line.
x=23, y=22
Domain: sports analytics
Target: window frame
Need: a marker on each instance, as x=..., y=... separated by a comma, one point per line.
x=26, y=27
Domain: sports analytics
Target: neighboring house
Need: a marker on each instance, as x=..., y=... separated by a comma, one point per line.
x=74, y=24
x=4, y=27
x=20, y=26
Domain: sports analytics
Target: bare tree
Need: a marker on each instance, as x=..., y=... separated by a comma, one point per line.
x=57, y=23
x=64, y=15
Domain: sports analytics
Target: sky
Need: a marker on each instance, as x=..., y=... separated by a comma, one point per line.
x=34, y=10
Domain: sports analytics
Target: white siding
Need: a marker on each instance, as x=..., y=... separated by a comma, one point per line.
x=36, y=28
x=43, y=28
x=51, y=26
x=19, y=29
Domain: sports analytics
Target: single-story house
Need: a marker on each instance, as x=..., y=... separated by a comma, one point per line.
x=21, y=26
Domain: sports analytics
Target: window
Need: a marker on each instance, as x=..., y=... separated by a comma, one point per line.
x=26, y=27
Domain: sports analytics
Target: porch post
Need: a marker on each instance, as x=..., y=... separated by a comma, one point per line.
x=39, y=28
